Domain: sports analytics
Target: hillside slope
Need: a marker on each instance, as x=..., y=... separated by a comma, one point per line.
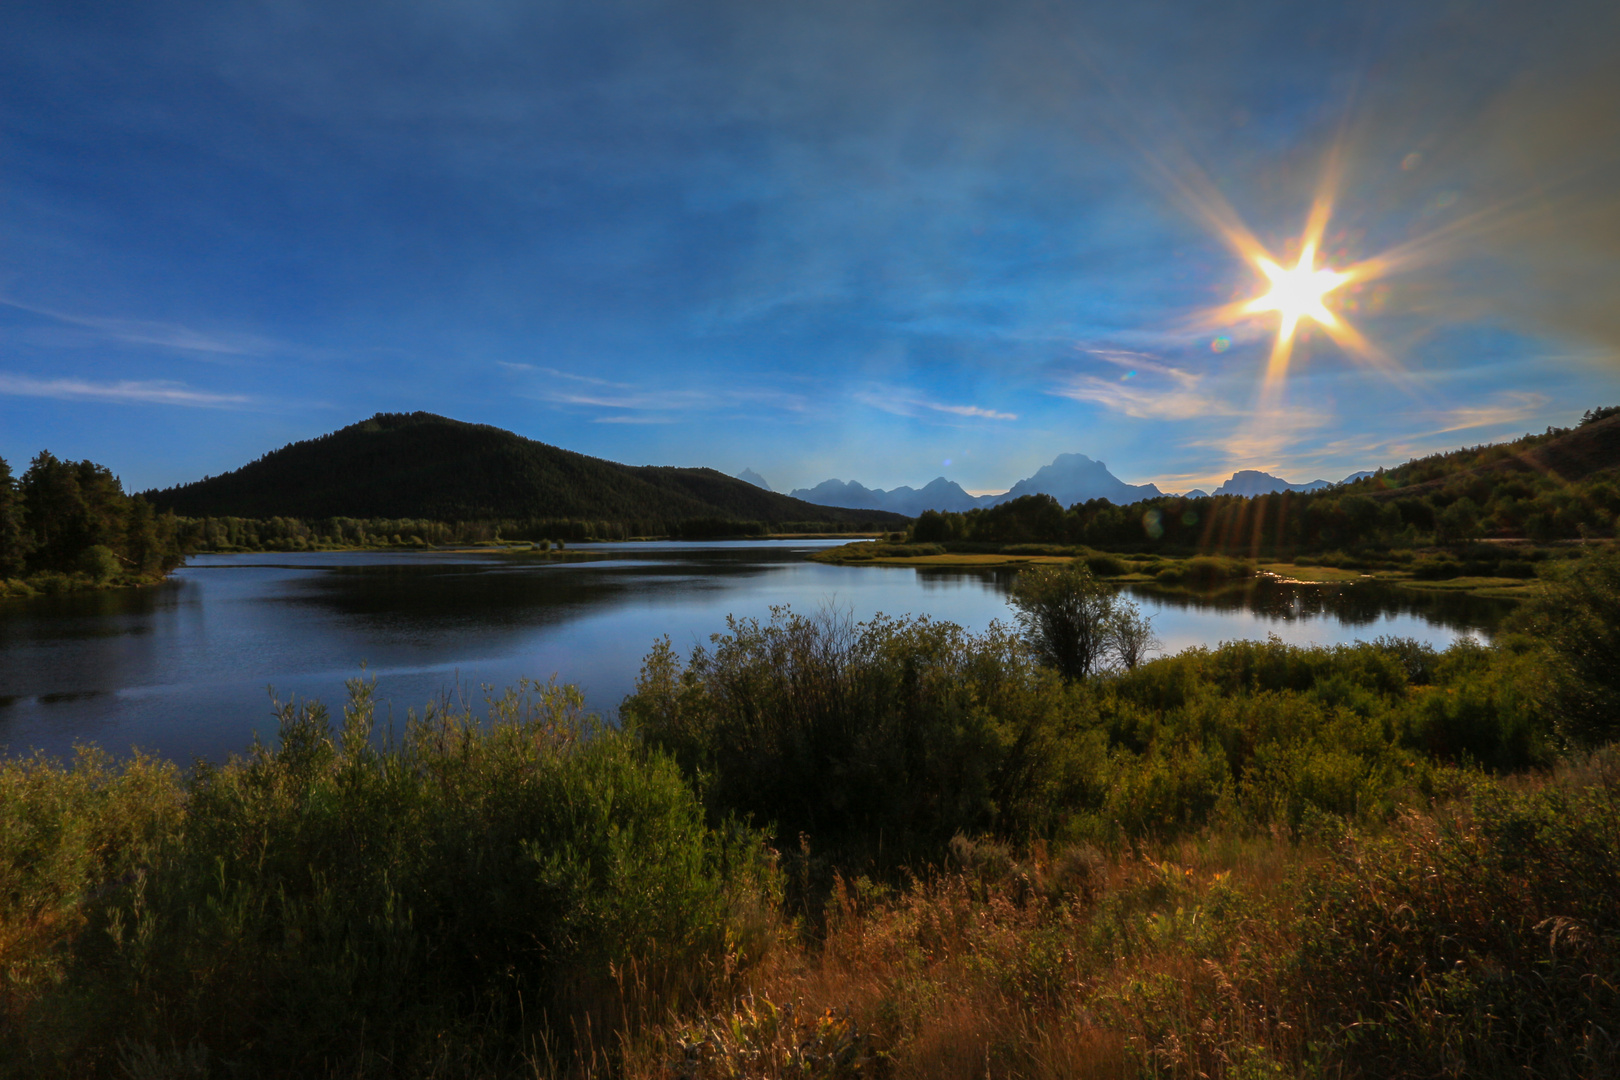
x=418, y=465
x=1566, y=455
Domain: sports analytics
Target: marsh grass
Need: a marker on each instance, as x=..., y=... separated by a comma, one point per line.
x=1478, y=937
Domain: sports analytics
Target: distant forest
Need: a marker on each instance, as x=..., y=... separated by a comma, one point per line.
x=298, y=534
x=1559, y=485
x=67, y=525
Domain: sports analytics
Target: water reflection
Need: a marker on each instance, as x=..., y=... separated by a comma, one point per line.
x=182, y=669
x=1350, y=605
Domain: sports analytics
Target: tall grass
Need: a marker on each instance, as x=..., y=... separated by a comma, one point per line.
x=1477, y=938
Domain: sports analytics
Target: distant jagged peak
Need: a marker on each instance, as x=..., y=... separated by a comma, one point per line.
x=1251, y=482
x=1069, y=478
x=752, y=477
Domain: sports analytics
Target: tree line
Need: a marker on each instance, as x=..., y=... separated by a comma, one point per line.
x=225, y=534
x=1445, y=499
x=69, y=524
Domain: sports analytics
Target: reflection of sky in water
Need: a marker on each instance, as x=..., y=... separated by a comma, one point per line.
x=182, y=669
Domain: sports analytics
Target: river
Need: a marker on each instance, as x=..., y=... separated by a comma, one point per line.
x=185, y=669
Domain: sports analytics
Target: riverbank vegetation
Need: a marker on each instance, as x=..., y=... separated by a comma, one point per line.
x=818, y=848
x=227, y=534
x=1486, y=519
x=68, y=525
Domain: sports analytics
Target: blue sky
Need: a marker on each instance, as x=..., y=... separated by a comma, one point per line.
x=876, y=241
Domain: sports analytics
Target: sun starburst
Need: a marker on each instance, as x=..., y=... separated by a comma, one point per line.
x=1297, y=293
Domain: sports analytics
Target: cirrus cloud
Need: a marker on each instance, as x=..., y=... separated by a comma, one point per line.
x=123, y=392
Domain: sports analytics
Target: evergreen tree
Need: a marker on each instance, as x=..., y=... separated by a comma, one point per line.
x=15, y=542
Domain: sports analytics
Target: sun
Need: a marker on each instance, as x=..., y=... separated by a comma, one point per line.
x=1297, y=293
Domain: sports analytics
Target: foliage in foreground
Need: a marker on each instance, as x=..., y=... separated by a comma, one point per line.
x=1480, y=939
x=914, y=731
x=1252, y=860
x=474, y=898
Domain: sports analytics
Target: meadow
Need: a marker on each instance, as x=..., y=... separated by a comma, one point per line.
x=816, y=848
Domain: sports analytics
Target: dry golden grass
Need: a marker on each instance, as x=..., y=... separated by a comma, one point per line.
x=1047, y=967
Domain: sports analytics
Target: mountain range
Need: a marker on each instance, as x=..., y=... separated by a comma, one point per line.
x=1070, y=478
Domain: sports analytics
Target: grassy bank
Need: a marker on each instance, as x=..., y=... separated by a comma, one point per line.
x=1497, y=571
x=891, y=849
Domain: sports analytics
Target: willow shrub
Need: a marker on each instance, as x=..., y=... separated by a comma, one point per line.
x=483, y=892
x=876, y=741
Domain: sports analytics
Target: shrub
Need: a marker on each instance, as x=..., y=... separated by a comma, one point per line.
x=891, y=735
x=1106, y=565
x=99, y=564
x=1066, y=616
x=1205, y=570
x=1486, y=943
x=1577, y=615
x=477, y=890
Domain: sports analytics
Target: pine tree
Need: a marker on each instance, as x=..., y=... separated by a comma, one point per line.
x=14, y=539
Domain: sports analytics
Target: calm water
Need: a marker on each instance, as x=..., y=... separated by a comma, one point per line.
x=182, y=669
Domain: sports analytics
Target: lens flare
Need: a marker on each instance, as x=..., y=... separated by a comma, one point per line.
x=1295, y=294
x=1298, y=293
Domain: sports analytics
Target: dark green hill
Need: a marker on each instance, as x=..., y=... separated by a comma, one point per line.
x=1563, y=455
x=418, y=465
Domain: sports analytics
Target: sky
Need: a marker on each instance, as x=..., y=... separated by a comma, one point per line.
x=877, y=241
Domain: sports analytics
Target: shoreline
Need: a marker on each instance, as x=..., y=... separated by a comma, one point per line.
x=1281, y=572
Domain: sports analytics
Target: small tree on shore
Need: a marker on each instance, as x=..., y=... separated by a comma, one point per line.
x=1067, y=617
x=1131, y=636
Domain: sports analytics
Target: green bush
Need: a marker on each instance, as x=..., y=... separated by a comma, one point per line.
x=1577, y=616
x=891, y=734
x=1106, y=565
x=99, y=564
x=1205, y=570
x=475, y=890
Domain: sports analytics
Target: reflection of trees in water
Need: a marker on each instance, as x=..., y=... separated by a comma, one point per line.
x=511, y=590
x=998, y=580
x=1360, y=603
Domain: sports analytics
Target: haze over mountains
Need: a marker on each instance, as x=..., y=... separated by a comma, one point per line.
x=1070, y=479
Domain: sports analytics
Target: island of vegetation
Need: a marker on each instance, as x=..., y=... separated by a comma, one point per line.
x=892, y=849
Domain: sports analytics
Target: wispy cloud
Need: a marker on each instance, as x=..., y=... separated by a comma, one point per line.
x=163, y=335
x=905, y=405
x=1141, y=401
x=638, y=405
x=1136, y=362
x=1509, y=408
x=559, y=374
x=1149, y=389
x=124, y=392
x=666, y=401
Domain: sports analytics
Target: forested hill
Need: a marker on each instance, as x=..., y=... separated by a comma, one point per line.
x=419, y=465
x=1564, y=455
